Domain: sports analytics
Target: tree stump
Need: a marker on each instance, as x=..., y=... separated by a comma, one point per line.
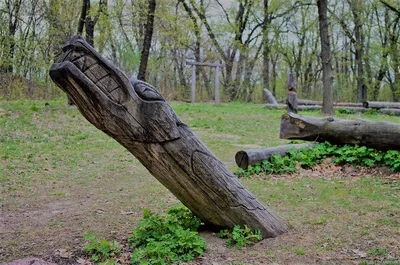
x=138, y=117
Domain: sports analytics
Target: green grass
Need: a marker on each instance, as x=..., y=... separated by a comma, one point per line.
x=60, y=178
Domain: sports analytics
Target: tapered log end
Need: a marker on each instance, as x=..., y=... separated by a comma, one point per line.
x=242, y=159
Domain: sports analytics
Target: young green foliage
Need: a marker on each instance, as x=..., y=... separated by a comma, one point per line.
x=166, y=239
x=307, y=158
x=240, y=237
x=100, y=250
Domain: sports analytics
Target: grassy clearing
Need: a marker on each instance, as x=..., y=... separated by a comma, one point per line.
x=61, y=178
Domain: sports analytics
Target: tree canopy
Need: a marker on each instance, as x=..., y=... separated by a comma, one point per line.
x=258, y=42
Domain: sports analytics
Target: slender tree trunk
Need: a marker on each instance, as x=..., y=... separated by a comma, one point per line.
x=13, y=9
x=82, y=18
x=266, y=45
x=327, y=105
x=359, y=50
x=147, y=40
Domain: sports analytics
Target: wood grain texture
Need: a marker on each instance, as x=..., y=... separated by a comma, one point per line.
x=137, y=116
x=379, y=135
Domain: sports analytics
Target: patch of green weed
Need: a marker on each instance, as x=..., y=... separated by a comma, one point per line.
x=166, y=239
x=240, y=237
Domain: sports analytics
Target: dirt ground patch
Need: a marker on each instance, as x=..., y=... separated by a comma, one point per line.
x=61, y=178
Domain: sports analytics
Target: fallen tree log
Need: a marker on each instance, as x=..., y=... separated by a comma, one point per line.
x=347, y=104
x=308, y=102
x=246, y=158
x=314, y=107
x=308, y=107
x=356, y=109
x=379, y=135
x=270, y=98
x=138, y=117
x=395, y=112
x=277, y=106
x=381, y=105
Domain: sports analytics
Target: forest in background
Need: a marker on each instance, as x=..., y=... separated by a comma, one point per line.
x=258, y=42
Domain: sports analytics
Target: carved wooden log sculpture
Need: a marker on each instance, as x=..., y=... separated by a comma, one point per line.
x=137, y=116
x=379, y=135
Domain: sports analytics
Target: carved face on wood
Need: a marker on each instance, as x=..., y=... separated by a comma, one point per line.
x=103, y=94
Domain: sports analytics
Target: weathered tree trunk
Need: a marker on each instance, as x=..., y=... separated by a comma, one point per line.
x=244, y=159
x=138, y=117
x=270, y=98
x=381, y=105
x=291, y=101
x=379, y=135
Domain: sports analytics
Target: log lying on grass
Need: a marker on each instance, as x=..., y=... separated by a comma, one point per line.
x=379, y=135
x=395, y=112
x=314, y=107
x=244, y=159
x=347, y=104
x=336, y=104
x=381, y=105
x=273, y=106
x=270, y=98
x=355, y=109
x=308, y=102
x=138, y=117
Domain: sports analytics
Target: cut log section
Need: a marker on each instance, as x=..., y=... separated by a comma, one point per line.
x=379, y=135
x=138, y=117
x=244, y=159
x=381, y=105
x=270, y=98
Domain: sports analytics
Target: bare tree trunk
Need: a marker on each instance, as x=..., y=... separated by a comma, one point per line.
x=359, y=50
x=147, y=40
x=13, y=9
x=82, y=18
x=327, y=105
x=266, y=45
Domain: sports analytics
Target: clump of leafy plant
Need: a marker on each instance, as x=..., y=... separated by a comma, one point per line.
x=307, y=158
x=347, y=111
x=167, y=239
x=240, y=237
x=371, y=112
x=101, y=251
